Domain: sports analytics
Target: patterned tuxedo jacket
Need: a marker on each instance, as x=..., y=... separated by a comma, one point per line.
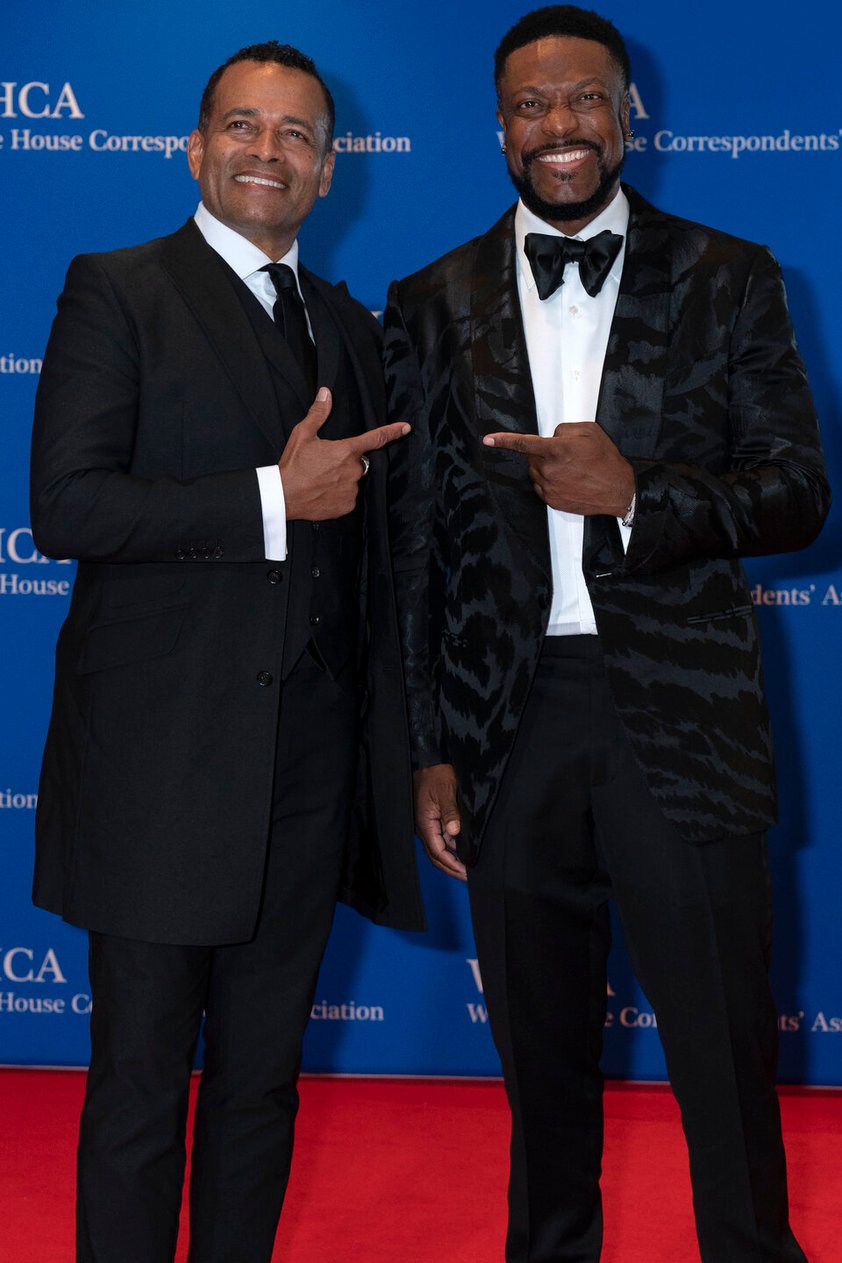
x=704, y=391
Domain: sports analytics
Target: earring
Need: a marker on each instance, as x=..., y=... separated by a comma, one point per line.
x=502, y=149
x=630, y=134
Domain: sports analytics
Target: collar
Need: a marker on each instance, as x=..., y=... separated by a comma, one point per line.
x=615, y=217
x=241, y=255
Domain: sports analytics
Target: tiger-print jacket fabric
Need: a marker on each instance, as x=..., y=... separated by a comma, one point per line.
x=704, y=391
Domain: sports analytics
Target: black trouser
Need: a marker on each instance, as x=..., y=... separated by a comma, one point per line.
x=574, y=824
x=148, y=1001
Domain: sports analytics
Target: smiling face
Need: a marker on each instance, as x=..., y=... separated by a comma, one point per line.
x=564, y=113
x=262, y=159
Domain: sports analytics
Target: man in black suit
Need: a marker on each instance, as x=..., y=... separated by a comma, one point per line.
x=608, y=412
x=208, y=791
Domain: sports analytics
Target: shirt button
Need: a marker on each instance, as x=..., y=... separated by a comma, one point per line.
x=264, y=679
x=315, y=572
x=315, y=619
x=274, y=576
x=574, y=311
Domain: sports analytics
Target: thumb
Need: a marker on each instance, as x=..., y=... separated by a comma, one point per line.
x=318, y=412
x=449, y=815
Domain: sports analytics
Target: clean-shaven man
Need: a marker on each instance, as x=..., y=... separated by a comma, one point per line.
x=205, y=797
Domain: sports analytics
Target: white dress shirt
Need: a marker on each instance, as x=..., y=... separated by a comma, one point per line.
x=247, y=260
x=566, y=339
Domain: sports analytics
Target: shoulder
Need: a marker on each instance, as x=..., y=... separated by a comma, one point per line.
x=127, y=263
x=693, y=244
x=457, y=266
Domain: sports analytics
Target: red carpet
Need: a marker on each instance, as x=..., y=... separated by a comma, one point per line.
x=414, y=1172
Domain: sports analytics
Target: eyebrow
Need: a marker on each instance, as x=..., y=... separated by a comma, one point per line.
x=583, y=83
x=247, y=112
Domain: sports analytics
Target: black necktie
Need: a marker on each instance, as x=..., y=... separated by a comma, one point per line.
x=548, y=255
x=291, y=319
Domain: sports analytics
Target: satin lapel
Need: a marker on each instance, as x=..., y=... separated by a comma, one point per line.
x=632, y=390
x=206, y=284
x=503, y=395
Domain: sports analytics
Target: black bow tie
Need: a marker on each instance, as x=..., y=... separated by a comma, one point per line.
x=548, y=256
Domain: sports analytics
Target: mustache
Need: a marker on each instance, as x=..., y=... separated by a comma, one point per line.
x=529, y=155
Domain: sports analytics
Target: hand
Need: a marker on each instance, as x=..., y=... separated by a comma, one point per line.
x=321, y=476
x=579, y=469
x=437, y=817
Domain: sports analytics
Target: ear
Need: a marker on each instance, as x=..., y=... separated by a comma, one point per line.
x=625, y=119
x=327, y=174
x=195, y=153
x=501, y=120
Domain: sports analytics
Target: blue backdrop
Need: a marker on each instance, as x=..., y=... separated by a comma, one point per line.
x=738, y=124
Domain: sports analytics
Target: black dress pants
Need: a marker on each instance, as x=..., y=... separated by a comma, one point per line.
x=575, y=824
x=148, y=1001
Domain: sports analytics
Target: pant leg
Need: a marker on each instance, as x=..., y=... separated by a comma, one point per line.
x=697, y=922
x=698, y=925
x=261, y=992
x=147, y=1010
x=539, y=906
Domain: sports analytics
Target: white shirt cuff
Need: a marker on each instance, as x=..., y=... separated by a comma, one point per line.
x=274, y=511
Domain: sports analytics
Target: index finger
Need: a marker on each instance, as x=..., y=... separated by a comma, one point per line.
x=379, y=437
x=531, y=444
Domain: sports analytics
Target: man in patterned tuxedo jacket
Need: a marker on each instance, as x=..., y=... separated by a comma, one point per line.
x=204, y=797
x=594, y=449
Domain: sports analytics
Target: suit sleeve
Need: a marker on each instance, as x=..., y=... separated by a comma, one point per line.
x=413, y=531
x=773, y=496
x=86, y=501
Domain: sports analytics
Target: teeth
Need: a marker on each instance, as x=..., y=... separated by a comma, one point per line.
x=569, y=155
x=256, y=179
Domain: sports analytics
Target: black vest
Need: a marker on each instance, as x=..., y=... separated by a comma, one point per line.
x=323, y=558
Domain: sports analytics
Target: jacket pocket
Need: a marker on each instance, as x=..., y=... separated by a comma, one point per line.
x=734, y=611
x=123, y=641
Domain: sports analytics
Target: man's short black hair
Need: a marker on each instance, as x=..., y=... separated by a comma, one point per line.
x=564, y=20
x=282, y=55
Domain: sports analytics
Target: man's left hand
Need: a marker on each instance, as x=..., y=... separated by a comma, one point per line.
x=579, y=469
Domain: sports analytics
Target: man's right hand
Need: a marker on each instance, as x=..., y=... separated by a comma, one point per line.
x=321, y=476
x=437, y=817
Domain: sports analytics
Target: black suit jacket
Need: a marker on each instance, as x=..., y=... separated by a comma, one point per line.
x=155, y=406
x=704, y=392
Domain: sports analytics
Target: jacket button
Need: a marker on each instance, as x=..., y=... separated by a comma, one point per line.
x=181, y=553
x=274, y=576
x=206, y=553
x=218, y=551
x=315, y=619
x=193, y=554
x=315, y=572
x=264, y=679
